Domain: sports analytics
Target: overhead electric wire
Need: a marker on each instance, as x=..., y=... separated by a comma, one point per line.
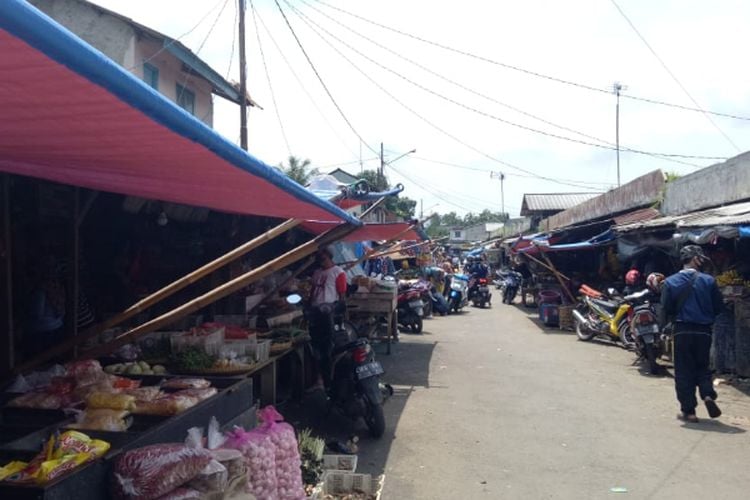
x=498, y=118
x=172, y=41
x=674, y=77
x=320, y=79
x=303, y=86
x=268, y=79
x=482, y=95
x=234, y=40
x=530, y=72
x=441, y=130
x=436, y=195
x=510, y=174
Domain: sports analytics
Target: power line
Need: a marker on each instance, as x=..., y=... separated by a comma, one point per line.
x=498, y=118
x=320, y=79
x=172, y=41
x=303, y=86
x=436, y=195
x=441, y=130
x=234, y=41
x=485, y=171
x=674, y=77
x=529, y=72
x=268, y=79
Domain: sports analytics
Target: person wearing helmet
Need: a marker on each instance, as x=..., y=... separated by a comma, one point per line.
x=632, y=281
x=654, y=282
x=692, y=300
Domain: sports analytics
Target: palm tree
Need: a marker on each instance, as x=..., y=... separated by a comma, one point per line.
x=299, y=170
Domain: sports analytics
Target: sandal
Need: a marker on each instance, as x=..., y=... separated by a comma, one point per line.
x=713, y=409
x=689, y=418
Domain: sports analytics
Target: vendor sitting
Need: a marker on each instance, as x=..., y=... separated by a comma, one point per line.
x=328, y=288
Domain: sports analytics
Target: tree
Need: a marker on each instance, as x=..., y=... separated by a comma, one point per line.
x=299, y=171
x=402, y=206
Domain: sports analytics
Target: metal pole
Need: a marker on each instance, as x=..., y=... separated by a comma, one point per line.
x=502, y=192
x=243, y=79
x=382, y=162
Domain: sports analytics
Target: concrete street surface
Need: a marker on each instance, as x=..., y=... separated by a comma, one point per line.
x=489, y=404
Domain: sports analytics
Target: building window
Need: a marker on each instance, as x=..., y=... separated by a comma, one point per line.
x=151, y=76
x=456, y=234
x=186, y=99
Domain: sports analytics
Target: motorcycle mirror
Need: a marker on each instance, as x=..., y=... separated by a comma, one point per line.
x=294, y=299
x=611, y=291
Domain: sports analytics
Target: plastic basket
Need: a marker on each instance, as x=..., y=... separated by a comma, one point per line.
x=346, y=463
x=211, y=343
x=342, y=483
x=262, y=351
x=243, y=347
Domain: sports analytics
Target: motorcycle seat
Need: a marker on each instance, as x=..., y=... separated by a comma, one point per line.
x=606, y=304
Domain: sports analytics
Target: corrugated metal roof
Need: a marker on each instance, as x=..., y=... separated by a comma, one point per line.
x=543, y=202
x=730, y=215
x=641, y=215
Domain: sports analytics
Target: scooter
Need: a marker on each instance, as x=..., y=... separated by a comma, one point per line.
x=511, y=285
x=649, y=340
x=479, y=292
x=608, y=317
x=355, y=389
x=457, y=298
x=411, y=309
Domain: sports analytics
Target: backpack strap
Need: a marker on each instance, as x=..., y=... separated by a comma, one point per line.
x=686, y=293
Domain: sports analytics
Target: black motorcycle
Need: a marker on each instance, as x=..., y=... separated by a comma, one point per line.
x=355, y=377
x=511, y=284
x=354, y=389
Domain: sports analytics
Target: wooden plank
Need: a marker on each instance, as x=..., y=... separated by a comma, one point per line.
x=161, y=294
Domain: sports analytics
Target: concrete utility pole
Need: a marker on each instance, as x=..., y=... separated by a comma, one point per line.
x=617, y=87
x=501, y=176
x=382, y=162
x=243, y=79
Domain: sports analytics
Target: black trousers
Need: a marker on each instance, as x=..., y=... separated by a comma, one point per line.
x=691, y=369
x=321, y=340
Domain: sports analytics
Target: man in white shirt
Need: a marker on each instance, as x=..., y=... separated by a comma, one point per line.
x=328, y=287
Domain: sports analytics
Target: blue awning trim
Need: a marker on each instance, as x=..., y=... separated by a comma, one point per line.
x=27, y=23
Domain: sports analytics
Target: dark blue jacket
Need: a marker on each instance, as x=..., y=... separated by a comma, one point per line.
x=702, y=305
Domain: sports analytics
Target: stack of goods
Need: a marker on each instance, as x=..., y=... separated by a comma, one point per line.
x=135, y=368
x=158, y=470
x=272, y=457
x=208, y=338
x=60, y=454
x=195, y=360
x=189, y=392
x=311, y=455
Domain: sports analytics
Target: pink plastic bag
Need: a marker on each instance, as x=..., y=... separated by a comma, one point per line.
x=260, y=457
x=286, y=454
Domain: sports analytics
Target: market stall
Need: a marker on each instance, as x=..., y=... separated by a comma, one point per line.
x=148, y=364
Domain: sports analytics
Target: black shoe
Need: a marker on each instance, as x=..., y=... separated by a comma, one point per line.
x=689, y=418
x=713, y=409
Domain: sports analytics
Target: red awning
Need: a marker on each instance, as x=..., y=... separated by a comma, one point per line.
x=70, y=115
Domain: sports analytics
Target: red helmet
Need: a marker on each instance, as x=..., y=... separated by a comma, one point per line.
x=655, y=281
x=632, y=277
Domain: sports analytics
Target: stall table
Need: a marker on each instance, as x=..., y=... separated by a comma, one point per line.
x=380, y=303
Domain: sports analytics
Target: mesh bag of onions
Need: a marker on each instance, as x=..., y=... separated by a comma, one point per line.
x=260, y=457
x=286, y=454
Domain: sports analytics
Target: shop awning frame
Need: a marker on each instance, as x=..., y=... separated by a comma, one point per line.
x=74, y=116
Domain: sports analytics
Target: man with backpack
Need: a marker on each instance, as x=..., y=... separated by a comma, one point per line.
x=692, y=300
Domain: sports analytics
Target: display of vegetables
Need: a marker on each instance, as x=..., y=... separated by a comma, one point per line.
x=135, y=368
x=732, y=278
x=193, y=359
x=260, y=458
x=311, y=454
x=287, y=458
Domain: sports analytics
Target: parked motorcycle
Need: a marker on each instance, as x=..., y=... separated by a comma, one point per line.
x=511, y=285
x=457, y=298
x=411, y=309
x=644, y=327
x=479, y=292
x=603, y=316
x=355, y=388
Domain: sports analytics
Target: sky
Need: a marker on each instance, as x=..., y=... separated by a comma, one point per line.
x=469, y=114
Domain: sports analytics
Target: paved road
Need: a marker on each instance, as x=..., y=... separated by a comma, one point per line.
x=490, y=405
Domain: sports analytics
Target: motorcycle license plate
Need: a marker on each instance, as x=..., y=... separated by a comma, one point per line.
x=648, y=338
x=483, y=289
x=648, y=330
x=369, y=370
x=414, y=304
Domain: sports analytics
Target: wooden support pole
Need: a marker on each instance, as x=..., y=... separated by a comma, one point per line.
x=550, y=269
x=9, y=357
x=76, y=260
x=224, y=290
x=559, y=278
x=161, y=294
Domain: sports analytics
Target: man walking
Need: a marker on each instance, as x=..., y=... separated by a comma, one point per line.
x=692, y=300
